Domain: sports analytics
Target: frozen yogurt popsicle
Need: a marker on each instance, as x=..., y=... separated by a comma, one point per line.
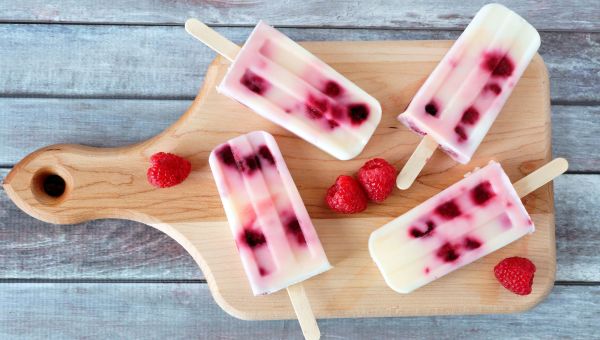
x=283, y=82
x=468, y=220
x=462, y=97
x=275, y=237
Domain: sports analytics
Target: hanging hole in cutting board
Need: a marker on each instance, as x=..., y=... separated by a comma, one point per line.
x=51, y=186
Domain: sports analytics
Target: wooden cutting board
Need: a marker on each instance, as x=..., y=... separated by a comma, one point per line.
x=111, y=183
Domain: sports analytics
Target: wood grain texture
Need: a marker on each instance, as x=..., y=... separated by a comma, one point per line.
x=112, y=183
x=187, y=311
x=165, y=62
x=572, y=15
x=120, y=122
x=125, y=250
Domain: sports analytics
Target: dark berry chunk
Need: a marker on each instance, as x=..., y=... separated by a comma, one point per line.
x=471, y=243
x=252, y=163
x=427, y=270
x=431, y=108
x=448, y=210
x=337, y=112
x=416, y=233
x=293, y=227
x=262, y=271
x=320, y=104
x=500, y=65
x=470, y=116
x=462, y=134
x=265, y=153
x=332, y=89
x=226, y=156
x=254, y=238
x=358, y=113
x=332, y=124
x=448, y=253
x=254, y=82
x=313, y=112
x=482, y=193
x=495, y=88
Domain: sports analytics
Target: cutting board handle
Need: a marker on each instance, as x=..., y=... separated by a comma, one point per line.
x=66, y=184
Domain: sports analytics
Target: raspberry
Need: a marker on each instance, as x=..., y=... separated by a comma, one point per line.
x=515, y=274
x=167, y=170
x=378, y=178
x=346, y=196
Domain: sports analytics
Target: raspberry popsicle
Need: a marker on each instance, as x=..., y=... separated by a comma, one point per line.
x=283, y=82
x=462, y=97
x=472, y=218
x=275, y=237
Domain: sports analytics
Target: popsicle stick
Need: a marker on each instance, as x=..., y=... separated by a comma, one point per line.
x=212, y=39
x=541, y=176
x=304, y=312
x=416, y=162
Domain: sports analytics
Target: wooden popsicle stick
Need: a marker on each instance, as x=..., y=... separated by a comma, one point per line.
x=416, y=162
x=212, y=39
x=541, y=176
x=304, y=312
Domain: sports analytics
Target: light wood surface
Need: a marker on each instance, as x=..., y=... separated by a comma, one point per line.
x=111, y=183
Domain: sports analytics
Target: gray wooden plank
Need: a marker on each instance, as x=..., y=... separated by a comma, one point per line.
x=103, y=249
x=107, y=123
x=184, y=311
x=31, y=123
x=575, y=131
x=122, y=250
x=554, y=14
x=152, y=62
x=577, y=199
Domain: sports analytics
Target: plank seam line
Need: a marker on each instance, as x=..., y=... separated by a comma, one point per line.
x=199, y=281
x=98, y=97
x=577, y=283
x=556, y=102
x=338, y=27
x=109, y=281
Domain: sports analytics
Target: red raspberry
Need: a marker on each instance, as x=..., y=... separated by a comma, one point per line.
x=378, y=178
x=515, y=274
x=168, y=170
x=346, y=196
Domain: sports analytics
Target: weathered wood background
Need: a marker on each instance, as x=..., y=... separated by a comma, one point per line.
x=108, y=73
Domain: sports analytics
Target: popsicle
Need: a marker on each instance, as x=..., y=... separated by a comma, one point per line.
x=470, y=219
x=459, y=101
x=277, y=242
x=283, y=82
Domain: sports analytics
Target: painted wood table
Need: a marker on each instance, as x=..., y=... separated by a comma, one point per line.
x=114, y=73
